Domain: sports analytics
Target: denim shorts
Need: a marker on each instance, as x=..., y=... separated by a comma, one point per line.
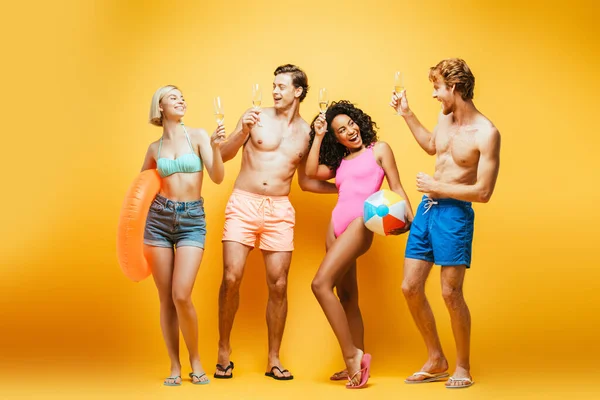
x=175, y=223
x=442, y=232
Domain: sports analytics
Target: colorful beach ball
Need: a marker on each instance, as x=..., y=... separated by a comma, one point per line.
x=384, y=212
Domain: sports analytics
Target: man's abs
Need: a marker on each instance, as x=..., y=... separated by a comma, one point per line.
x=266, y=174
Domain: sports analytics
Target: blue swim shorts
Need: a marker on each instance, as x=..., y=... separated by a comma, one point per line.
x=442, y=232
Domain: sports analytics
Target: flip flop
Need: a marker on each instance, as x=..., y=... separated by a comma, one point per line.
x=339, y=376
x=224, y=370
x=174, y=383
x=365, y=365
x=198, y=382
x=279, y=378
x=469, y=382
x=429, y=377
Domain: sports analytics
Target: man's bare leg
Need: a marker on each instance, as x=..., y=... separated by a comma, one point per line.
x=234, y=260
x=277, y=265
x=460, y=317
x=413, y=287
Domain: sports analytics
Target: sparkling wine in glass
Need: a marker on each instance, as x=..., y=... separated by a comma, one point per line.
x=219, y=111
x=399, y=87
x=256, y=98
x=323, y=100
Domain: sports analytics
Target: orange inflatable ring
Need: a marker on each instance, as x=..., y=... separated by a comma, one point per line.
x=132, y=222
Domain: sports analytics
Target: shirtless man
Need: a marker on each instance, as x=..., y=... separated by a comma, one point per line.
x=275, y=144
x=467, y=149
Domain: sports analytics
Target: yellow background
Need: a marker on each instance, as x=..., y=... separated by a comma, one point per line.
x=76, y=87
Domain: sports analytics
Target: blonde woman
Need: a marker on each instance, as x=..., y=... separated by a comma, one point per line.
x=176, y=226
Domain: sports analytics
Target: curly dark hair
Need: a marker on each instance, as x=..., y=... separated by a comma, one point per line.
x=332, y=151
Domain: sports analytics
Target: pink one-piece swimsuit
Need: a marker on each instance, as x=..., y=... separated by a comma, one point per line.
x=356, y=179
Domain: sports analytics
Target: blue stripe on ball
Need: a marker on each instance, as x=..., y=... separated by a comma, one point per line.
x=370, y=211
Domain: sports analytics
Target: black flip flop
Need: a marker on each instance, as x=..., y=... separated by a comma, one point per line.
x=224, y=371
x=279, y=378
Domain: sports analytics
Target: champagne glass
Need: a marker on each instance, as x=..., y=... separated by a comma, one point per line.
x=256, y=98
x=398, y=88
x=219, y=111
x=323, y=100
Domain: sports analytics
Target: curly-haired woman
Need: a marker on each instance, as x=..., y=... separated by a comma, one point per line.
x=344, y=145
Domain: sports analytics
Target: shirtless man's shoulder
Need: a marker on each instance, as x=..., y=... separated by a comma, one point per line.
x=486, y=131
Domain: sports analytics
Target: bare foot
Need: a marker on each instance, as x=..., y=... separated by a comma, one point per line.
x=274, y=367
x=339, y=376
x=223, y=360
x=354, y=368
x=198, y=374
x=174, y=378
x=436, y=366
x=198, y=377
x=460, y=379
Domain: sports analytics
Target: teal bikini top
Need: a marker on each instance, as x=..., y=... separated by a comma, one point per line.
x=188, y=162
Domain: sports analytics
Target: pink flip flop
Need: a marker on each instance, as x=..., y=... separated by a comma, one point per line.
x=365, y=365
